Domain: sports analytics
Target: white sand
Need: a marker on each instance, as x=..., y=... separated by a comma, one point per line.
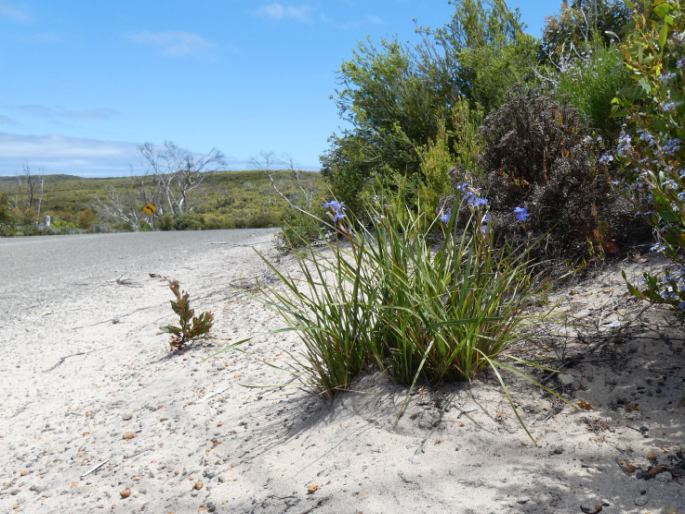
x=83, y=364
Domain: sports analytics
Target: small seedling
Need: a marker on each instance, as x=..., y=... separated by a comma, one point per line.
x=190, y=327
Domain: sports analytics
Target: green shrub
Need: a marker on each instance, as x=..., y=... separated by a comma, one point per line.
x=651, y=148
x=591, y=85
x=190, y=327
x=402, y=100
x=582, y=27
x=298, y=229
x=187, y=221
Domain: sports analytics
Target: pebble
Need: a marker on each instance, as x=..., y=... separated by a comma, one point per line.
x=127, y=416
x=666, y=476
x=566, y=379
x=591, y=507
x=641, y=501
x=125, y=493
x=210, y=507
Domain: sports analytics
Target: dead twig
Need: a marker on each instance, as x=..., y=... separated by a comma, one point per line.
x=94, y=469
x=61, y=361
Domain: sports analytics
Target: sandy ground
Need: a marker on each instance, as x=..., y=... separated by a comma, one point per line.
x=87, y=380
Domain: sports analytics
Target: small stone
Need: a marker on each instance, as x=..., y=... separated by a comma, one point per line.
x=643, y=475
x=127, y=417
x=626, y=466
x=558, y=450
x=664, y=477
x=641, y=501
x=125, y=493
x=128, y=435
x=566, y=379
x=523, y=501
x=210, y=507
x=198, y=485
x=651, y=455
x=24, y=472
x=591, y=507
x=312, y=488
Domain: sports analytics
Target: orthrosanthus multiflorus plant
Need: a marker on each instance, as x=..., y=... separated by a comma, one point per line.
x=651, y=146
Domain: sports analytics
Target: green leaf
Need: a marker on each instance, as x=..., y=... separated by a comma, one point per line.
x=663, y=36
x=662, y=10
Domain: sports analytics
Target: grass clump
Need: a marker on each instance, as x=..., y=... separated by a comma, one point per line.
x=190, y=327
x=390, y=298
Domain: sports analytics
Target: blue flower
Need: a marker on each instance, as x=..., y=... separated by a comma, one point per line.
x=338, y=209
x=445, y=216
x=521, y=214
x=624, y=146
x=669, y=107
x=658, y=248
x=681, y=306
x=606, y=158
x=669, y=184
x=333, y=204
x=672, y=146
x=474, y=200
x=463, y=187
x=667, y=77
x=647, y=137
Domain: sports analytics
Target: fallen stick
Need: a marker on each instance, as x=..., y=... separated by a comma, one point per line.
x=61, y=361
x=93, y=470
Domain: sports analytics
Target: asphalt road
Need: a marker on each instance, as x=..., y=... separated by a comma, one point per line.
x=33, y=268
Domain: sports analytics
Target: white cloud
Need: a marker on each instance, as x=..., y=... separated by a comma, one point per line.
x=278, y=11
x=173, y=43
x=59, y=114
x=6, y=120
x=15, y=13
x=62, y=154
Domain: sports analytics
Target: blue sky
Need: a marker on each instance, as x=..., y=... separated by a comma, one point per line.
x=83, y=82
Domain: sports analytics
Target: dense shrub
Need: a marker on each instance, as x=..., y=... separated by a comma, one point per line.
x=581, y=27
x=651, y=149
x=400, y=100
x=298, y=229
x=539, y=156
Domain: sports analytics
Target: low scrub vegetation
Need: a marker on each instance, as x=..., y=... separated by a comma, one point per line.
x=224, y=200
x=393, y=298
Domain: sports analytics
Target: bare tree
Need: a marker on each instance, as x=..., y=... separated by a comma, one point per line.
x=268, y=162
x=126, y=204
x=34, y=188
x=177, y=173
